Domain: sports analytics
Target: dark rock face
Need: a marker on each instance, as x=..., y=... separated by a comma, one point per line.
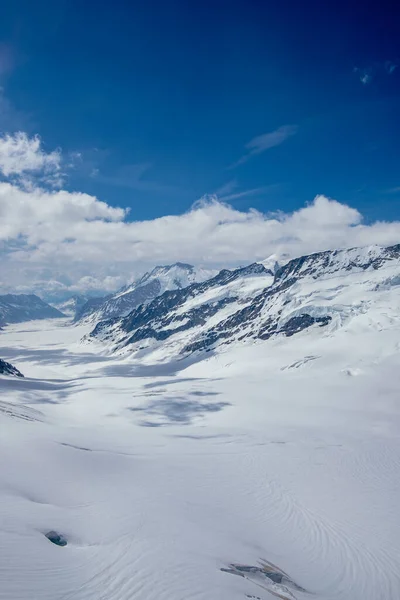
x=259, y=318
x=120, y=305
x=332, y=261
x=313, y=265
x=89, y=307
x=150, y=320
x=8, y=369
x=296, y=324
x=56, y=538
x=264, y=575
x=17, y=308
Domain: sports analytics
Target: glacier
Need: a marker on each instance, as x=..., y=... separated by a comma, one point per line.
x=265, y=467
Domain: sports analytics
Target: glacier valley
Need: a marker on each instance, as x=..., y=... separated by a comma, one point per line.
x=236, y=437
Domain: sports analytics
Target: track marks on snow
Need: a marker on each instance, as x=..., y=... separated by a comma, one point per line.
x=20, y=412
x=299, y=363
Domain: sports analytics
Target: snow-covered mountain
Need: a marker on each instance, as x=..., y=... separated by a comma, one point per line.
x=325, y=289
x=268, y=467
x=141, y=291
x=72, y=306
x=87, y=312
x=16, y=308
x=274, y=262
x=7, y=368
x=185, y=311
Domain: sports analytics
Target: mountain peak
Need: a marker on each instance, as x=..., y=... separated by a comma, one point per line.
x=143, y=290
x=177, y=265
x=321, y=290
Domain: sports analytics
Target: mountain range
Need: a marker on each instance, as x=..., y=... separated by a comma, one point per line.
x=230, y=438
x=141, y=291
x=17, y=308
x=176, y=310
x=323, y=290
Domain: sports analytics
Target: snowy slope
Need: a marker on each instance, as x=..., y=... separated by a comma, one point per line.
x=266, y=470
x=176, y=316
x=326, y=290
x=16, y=308
x=142, y=291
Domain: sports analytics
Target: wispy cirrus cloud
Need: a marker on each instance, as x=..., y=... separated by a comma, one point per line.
x=367, y=74
x=261, y=143
x=229, y=191
x=227, y=188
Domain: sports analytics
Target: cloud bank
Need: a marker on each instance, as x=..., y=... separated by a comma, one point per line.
x=22, y=158
x=59, y=241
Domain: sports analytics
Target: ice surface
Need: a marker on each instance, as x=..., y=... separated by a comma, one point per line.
x=160, y=475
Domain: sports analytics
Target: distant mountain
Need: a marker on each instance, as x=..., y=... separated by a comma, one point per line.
x=87, y=312
x=16, y=308
x=326, y=289
x=8, y=369
x=72, y=306
x=142, y=291
x=179, y=312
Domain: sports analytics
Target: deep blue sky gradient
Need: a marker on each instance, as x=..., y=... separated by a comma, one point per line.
x=181, y=87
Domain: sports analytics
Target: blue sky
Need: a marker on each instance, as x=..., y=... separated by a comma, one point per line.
x=117, y=117
x=161, y=98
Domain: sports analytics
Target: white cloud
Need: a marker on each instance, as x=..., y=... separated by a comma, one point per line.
x=368, y=74
x=22, y=157
x=264, y=142
x=81, y=243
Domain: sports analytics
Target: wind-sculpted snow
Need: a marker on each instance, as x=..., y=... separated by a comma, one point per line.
x=323, y=290
x=251, y=472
